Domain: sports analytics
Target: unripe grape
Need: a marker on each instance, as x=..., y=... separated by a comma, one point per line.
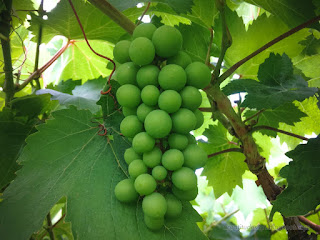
x=154, y=205
x=145, y=184
x=148, y=75
x=167, y=41
x=174, y=206
x=126, y=73
x=142, y=143
x=153, y=224
x=158, y=124
x=128, y=96
x=172, y=159
x=199, y=117
x=141, y=51
x=130, y=126
x=125, y=191
x=152, y=158
x=191, y=139
x=169, y=101
x=143, y=110
x=136, y=168
x=181, y=58
x=184, y=178
x=178, y=141
x=130, y=155
x=144, y=30
x=185, y=195
x=159, y=173
x=172, y=77
x=198, y=75
x=183, y=121
x=150, y=95
x=191, y=98
x=121, y=51
x=129, y=111
x=194, y=156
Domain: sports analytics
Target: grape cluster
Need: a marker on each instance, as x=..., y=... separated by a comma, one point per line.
x=160, y=97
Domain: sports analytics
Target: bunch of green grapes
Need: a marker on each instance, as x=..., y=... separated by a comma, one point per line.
x=160, y=97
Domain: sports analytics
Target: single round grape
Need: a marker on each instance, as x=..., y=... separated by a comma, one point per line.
x=141, y=51
x=194, y=156
x=191, y=98
x=159, y=173
x=150, y=95
x=183, y=121
x=127, y=73
x=128, y=95
x=121, y=51
x=145, y=184
x=167, y=41
x=178, y=141
x=142, y=142
x=136, y=168
x=143, y=110
x=199, y=117
x=125, y=191
x=130, y=155
x=154, y=224
x=154, y=205
x=172, y=77
x=174, y=206
x=181, y=58
x=158, y=124
x=152, y=158
x=144, y=30
x=130, y=126
x=198, y=75
x=148, y=75
x=169, y=101
x=185, y=195
x=129, y=111
x=191, y=139
x=172, y=159
x=184, y=178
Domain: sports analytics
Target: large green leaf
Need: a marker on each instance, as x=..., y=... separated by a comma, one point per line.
x=67, y=157
x=303, y=193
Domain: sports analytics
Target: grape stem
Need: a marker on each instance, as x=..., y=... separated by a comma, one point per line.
x=212, y=225
x=49, y=228
x=225, y=151
x=209, y=48
x=280, y=131
x=144, y=13
x=254, y=115
x=309, y=223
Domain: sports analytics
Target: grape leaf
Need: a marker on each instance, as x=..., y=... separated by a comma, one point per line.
x=225, y=230
x=67, y=157
x=19, y=16
x=309, y=66
x=65, y=86
x=311, y=44
x=303, y=193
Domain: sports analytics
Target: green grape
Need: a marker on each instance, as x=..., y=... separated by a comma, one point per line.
x=183, y=121
x=178, y=141
x=172, y=159
x=199, y=117
x=145, y=184
x=142, y=142
x=191, y=139
x=191, y=98
x=144, y=30
x=159, y=173
x=184, y=179
x=198, y=75
x=128, y=96
x=141, y=51
x=167, y=41
x=143, y=110
x=182, y=59
x=130, y=126
x=194, y=156
x=150, y=95
x=136, y=168
x=185, y=195
x=148, y=75
x=158, y=124
x=121, y=51
x=174, y=206
x=126, y=73
x=129, y=111
x=125, y=191
x=169, y=101
x=154, y=205
x=154, y=224
x=172, y=77
x=130, y=155
x=152, y=158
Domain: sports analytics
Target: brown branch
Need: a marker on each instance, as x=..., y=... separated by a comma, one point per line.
x=264, y=47
x=144, y=13
x=278, y=130
x=205, y=109
x=309, y=223
x=209, y=47
x=254, y=115
x=225, y=151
